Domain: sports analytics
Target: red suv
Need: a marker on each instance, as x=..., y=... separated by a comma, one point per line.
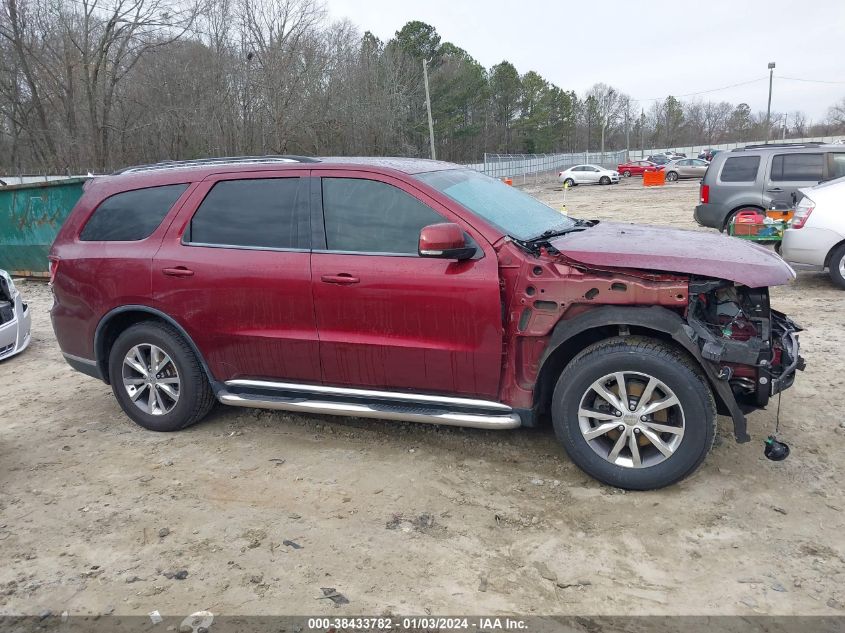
x=416, y=290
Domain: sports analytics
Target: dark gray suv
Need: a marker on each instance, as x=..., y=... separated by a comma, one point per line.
x=762, y=176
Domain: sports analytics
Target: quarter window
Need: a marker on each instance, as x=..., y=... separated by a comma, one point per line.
x=798, y=167
x=373, y=217
x=837, y=165
x=254, y=213
x=740, y=169
x=132, y=215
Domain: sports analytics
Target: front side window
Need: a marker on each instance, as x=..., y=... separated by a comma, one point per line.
x=798, y=168
x=367, y=216
x=254, y=213
x=132, y=215
x=740, y=169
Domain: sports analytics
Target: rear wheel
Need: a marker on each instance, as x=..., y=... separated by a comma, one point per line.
x=672, y=176
x=604, y=180
x=634, y=413
x=837, y=266
x=157, y=378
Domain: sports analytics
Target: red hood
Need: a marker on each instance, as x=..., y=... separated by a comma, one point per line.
x=702, y=253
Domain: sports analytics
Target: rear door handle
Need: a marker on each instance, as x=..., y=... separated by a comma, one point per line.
x=775, y=190
x=342, y=279
x=178, y=271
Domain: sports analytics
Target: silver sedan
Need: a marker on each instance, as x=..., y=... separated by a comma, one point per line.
x=685, y=168
x=15, y=320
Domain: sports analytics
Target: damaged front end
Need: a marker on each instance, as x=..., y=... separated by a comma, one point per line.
x=754, y=349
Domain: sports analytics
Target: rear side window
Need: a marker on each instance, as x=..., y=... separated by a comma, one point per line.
x=740, y=169
x=798, y=167
x=255, y=213
x=837, y=165
x=367, y=216
x=132, y=215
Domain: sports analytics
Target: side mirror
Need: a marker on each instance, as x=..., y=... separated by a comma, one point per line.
x=444, y=241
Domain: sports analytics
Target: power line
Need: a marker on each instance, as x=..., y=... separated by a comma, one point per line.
x=812, y=81
x=702, y=92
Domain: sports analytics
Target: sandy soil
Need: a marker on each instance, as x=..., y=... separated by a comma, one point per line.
x=97, y=515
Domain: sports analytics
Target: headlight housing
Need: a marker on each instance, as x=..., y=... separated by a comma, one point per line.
x=9, y=283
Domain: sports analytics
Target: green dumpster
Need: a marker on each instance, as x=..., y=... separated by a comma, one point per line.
x=30, y=217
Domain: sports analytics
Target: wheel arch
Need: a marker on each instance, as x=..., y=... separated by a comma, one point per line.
x=571, y=336
x=736, y=210
x=829, y=255
x=119, y=319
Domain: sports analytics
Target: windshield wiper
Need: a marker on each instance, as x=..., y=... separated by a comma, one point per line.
x=579, y=225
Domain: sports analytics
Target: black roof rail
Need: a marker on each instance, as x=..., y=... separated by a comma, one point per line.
x=223, y=160
x=779, y=145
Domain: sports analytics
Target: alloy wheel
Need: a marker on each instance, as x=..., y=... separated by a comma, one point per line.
x=631, y=419
x=151, y=379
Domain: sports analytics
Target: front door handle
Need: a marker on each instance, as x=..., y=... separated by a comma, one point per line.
x=775, y=190
x=342, y=279
x=178, y=271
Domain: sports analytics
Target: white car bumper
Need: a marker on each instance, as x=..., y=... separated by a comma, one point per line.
x=809, y=245
x=15, y=334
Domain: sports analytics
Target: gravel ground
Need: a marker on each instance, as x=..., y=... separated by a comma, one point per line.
x=262, y=509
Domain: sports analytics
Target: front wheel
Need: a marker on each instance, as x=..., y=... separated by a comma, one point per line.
x=634, y=413
x=569, y=183
x=626, y=173
x=671, y=176
x=157, y=378
x=604, y=180
x=837, y=266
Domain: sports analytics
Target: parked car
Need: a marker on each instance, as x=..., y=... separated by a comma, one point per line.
x=816, y=235
x=673, y=154
x=416, y=290
x=705, y=154
x=15, y=319
x=635, y=168
x=658, y=159
x=758, y=177
x=685, y=168
x=588, y=175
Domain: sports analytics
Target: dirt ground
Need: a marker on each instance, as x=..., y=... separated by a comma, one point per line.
x=262, y=509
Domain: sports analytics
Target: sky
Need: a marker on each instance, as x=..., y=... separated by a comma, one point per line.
x=648, y=50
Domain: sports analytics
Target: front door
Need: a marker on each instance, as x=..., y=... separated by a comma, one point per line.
x=389, y=318
x=234, y=271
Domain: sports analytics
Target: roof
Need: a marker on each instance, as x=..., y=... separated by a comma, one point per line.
x=240, y=163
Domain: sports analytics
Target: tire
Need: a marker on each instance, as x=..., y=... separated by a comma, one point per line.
x=672, y=176
x=837, y=266
x=569, y=183
x=604, y=180
x=639, y=360
x=626, y=173
x=186, y=378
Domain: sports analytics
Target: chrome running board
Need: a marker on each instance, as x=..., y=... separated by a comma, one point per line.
x=366, y=403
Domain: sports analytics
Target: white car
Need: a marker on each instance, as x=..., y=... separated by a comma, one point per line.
x=588, y=175
x=15, y=319
x=816, y=235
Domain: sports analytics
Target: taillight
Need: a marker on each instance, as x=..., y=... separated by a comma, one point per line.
x=54, y=268
x=802, y=213
x=705, y=194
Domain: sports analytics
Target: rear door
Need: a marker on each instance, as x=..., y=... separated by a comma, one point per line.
x=789, y=172
x=234, y=271
x=387, y=317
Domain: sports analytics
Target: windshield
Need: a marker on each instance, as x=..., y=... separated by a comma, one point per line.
x=516, y=213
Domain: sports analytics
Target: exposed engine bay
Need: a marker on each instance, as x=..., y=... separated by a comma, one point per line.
x=755, y=347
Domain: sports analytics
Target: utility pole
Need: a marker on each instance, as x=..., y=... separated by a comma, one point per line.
x=769, y=108
x=627, y=132
x=642, y=133
x=428, y=108
x=785, y=117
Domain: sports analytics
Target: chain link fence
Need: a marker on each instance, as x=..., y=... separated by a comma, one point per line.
x=532, y=165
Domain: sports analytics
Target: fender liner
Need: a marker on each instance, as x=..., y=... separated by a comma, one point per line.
x=654, y=318
x=100, y=342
